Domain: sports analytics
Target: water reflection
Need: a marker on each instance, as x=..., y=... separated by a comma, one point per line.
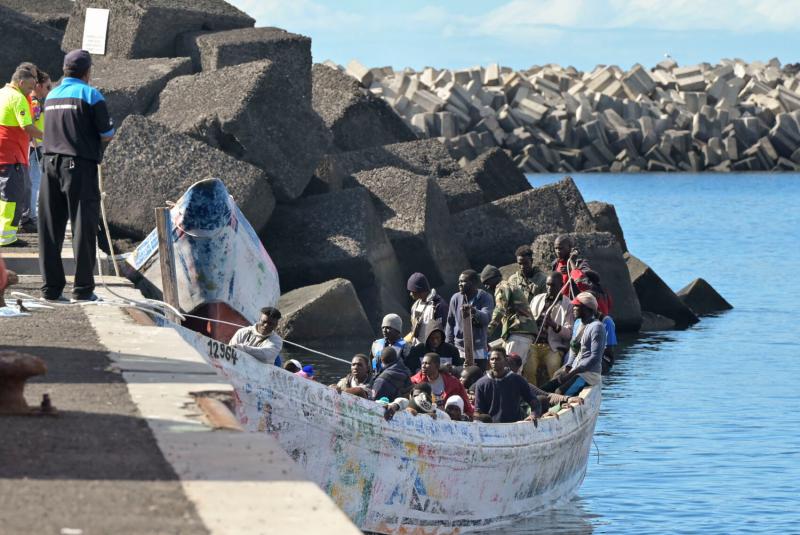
x=570, y=519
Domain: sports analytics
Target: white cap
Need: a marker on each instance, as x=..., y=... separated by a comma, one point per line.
x=455, y=400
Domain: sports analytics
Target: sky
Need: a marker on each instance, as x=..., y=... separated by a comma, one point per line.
x=521, y=33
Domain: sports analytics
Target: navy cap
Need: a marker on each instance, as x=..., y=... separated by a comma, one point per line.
x=78, y=60
x=417, y=282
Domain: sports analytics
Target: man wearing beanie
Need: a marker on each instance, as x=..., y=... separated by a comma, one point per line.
x=77, y=124
x=392, y=329
x=429, y=311
x=585, y=362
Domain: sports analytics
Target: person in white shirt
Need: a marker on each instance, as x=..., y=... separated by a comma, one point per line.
x=260, y=340
x=554, y=329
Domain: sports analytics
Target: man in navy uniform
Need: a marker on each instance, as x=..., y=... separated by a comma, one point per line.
x=77, y=124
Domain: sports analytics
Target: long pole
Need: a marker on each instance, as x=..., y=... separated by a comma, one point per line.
x=166, y=255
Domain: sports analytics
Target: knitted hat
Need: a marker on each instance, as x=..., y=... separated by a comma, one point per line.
x=417, y=282
x=490, y=272
x=394, y=321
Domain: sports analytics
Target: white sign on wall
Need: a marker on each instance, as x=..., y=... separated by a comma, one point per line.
x=95, y=29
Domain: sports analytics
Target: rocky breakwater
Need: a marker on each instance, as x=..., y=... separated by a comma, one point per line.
x=345, y=198
x=732, y=116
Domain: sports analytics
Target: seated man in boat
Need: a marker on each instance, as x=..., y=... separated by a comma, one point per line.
x=480, y=305
x=448, y=354
x=443, y=385
x=395, y=379
x=454, y=407
x=293, y=366
x=359, y=381
x=260, y=340
x=392, y=330
x=469, y=376
x=499, y=393
x=554, y=330
x=585, y=362
x=429, y=310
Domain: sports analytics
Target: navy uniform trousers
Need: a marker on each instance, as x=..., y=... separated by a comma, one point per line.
x=69, y=192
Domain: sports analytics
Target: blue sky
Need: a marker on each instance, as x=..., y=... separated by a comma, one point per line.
x=521, y=33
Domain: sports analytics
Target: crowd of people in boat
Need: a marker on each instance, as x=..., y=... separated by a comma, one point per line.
x=537, y=340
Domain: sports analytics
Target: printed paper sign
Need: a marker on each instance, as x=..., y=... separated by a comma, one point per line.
x=95, y=29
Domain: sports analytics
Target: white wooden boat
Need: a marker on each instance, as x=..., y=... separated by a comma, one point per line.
x=409, y=475
x=412, y=474
x=223, y=271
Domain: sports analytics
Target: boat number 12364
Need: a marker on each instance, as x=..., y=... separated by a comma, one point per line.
x=217, y=350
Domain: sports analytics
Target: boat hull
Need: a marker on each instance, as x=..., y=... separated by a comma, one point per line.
x=223, y=271
x=412, y=474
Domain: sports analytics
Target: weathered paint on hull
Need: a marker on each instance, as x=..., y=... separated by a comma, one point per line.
x=413, y=474
x=218, y=256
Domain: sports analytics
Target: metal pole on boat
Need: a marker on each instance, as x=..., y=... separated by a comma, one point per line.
x=166, y=255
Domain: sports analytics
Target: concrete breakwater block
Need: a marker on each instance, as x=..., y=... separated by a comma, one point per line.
x=414, y=214
x=606, y=220
x=338, y=234
x=146, y=165
x=326, y=311
x=491, y=232
x=289, y=52
x=655, y=322
x=497, y=175
x=149, y=28
x=356, y=117
x=27, y=40
x=426, y=157
x=131, y=86
x=605, y=257
x=702, y=298
x=54, y=13
x=260, y=122
x=461, y=190
x=655, y=296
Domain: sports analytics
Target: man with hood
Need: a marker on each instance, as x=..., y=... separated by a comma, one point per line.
x=434, y=343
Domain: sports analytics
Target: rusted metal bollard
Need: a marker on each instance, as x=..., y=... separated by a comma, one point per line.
x=15, y=369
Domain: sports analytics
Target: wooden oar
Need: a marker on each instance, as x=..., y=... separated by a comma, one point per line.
x=466, y=326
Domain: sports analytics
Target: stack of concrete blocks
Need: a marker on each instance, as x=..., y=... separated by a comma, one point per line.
x=732, y=116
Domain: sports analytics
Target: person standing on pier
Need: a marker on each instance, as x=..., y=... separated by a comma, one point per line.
x=16, y=130
x=77, y=124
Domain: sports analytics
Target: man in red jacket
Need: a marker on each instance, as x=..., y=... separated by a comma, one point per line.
x=442, y=384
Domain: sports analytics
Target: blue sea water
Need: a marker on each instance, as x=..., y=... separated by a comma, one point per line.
x=700, y=429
